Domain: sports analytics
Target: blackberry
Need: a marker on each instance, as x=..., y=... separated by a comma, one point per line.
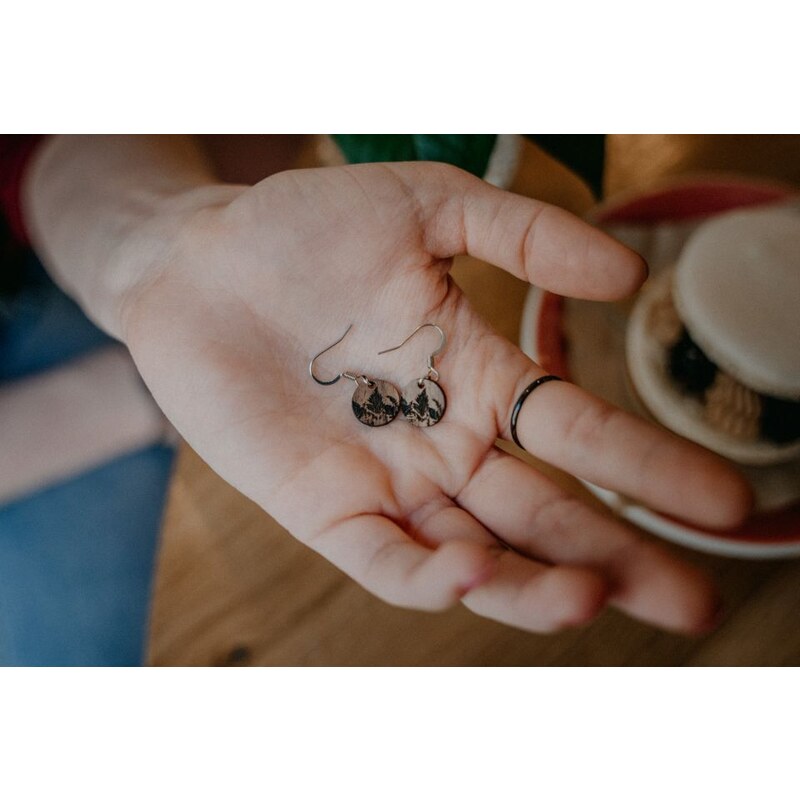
x=689, y=366
x=780, y=420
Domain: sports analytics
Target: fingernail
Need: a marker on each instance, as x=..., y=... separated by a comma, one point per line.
x=479, y=579
x=715, y=620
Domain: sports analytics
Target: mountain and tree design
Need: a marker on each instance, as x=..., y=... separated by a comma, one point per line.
x=423, y=405
x=376, y=404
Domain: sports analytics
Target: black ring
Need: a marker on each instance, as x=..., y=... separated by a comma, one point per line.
x=522, y=398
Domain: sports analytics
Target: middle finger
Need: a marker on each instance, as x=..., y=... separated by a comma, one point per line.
x=539, y=518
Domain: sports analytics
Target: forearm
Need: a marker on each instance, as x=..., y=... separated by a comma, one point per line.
x=101, y=208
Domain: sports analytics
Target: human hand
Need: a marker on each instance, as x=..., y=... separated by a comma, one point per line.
x=223, y=320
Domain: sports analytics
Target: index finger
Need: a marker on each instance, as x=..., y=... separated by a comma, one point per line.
x=588, y=437
x=603, y=444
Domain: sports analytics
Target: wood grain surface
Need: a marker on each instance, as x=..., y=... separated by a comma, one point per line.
x=234, y=588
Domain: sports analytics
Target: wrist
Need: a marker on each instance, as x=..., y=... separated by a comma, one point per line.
x=104, y=212
x=160, y=241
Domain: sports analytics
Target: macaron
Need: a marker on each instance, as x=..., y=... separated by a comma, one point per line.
x=713, y=343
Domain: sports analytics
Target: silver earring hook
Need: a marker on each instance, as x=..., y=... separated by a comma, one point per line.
x=322, y=352
x=432, y=371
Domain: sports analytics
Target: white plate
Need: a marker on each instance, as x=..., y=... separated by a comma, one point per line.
x=600, y=328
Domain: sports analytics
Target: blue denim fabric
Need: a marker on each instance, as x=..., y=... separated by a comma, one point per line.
x=77, y=558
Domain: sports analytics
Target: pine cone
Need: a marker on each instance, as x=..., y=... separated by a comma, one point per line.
x=664, y=323
x=733, y=408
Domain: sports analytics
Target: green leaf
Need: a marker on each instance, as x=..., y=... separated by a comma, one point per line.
x=468, y=151
x=368, y=148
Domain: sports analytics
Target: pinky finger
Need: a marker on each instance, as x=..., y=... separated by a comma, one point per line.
x=539, y=598
x=380, y=556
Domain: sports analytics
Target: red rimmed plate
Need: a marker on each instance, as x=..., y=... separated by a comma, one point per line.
x=568, y=336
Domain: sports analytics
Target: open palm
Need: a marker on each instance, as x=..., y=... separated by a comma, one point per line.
x=262, y=278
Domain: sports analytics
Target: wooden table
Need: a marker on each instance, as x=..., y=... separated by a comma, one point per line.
x=234, y=588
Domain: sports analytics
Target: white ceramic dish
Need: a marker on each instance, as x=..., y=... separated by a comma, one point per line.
x=657, y=223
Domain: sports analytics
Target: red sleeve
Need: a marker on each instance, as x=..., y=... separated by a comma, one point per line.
x=15, y=154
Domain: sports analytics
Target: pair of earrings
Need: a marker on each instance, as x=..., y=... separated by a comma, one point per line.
x=377, y=402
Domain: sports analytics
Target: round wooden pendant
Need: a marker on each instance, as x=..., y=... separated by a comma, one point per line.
x=376, y=403
x=423, y=402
